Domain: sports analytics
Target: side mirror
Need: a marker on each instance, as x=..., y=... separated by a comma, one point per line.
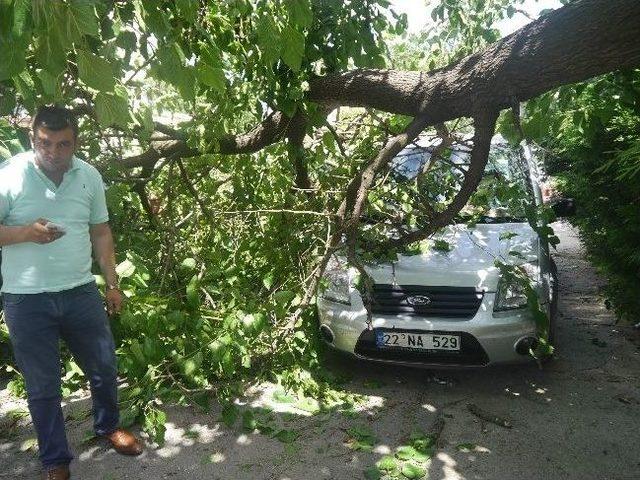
x=562, y=207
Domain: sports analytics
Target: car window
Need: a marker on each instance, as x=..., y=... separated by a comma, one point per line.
x=410, y=161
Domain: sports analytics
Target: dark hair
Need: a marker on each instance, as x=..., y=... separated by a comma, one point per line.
x=54, y=118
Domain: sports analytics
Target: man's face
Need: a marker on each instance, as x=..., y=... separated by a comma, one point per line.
x=54, y=149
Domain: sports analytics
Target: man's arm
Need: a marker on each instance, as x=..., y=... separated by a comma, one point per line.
x=36, y=232
x=104, y=252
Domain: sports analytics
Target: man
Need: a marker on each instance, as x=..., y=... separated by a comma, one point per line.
x=52, y=212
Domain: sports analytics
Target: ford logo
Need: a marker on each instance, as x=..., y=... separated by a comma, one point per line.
x=418, y=300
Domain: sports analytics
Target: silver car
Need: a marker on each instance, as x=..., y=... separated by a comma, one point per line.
x=452, y=306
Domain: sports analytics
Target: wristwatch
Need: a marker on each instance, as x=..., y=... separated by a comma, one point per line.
x=112, y=286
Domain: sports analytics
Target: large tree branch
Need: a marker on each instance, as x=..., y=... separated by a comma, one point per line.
x=576, y=42
x=297, y=152
x=273, y=129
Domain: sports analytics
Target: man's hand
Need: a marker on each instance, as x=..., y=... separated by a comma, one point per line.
x=37, y=232
x=113, y=299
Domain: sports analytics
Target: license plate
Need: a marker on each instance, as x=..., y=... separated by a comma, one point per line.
x=420, y=341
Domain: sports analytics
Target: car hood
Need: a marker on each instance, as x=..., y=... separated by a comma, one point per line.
x=470, y=261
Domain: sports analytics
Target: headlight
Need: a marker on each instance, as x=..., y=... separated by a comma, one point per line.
x=336, y=279
x=512, y=293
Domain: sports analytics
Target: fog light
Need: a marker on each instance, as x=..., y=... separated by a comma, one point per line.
x=525, y=344
x=327, y=334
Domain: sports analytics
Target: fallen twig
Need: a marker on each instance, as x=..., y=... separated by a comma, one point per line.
x=487, y=416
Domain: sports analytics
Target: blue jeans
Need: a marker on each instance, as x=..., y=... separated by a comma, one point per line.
x=36, y=324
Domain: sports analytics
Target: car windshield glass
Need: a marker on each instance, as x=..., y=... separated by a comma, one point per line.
x=503, y=192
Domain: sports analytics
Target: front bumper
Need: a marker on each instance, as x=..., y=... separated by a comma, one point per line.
x=487, y=338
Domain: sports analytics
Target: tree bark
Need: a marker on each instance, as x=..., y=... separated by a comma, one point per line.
x=573, y=43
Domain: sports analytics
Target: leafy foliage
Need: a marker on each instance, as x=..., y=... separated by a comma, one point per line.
x=211, y=288
x=592, y=145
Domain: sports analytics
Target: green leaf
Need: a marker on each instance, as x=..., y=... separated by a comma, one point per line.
x=281, y=397
x=300, y=12
x=125, y=269
x=309, y=405
x=82, y=15
x=13, y=56
x=360, y=438
x=188, y=9
x=441, y=246
x=53, y=46
x=269, y=40
x=189, y=263
x=387, y=464
x=253, y=322
x=507, y=235
x=373, y=383
x=112, y=108
x=7, y=104
x=95, y=72
x=25, y=87
x=49, y=83
x=372, y=473
x=517, y=254
x=149, y=15
x=29, y=444
x=88, y=436
x=203, y=400
x=264, y=428
x=193, y=292
x=230, y=414
x=172, y=69
x=212, y=77
x=127, y=40
x=283, y=297
x=128, y=417
x=249, y=422
x=190, y=365
x=407, y=452
x=191, y=434
x=138, y=354
x=412, y=471
x=422, y=443
x=21, y=15
x=154, y=424
x=246, y=361
x=292, y=48
x=267, y=281
x=286, y=436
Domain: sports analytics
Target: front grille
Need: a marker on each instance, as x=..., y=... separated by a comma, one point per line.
x=450, y=302
x=471, y=352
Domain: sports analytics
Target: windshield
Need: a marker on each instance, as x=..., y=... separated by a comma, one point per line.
x=501, y=196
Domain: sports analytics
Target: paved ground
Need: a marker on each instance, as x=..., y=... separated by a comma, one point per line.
x=578, y=418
